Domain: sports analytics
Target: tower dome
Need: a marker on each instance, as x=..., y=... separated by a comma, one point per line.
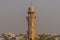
x=31, y=9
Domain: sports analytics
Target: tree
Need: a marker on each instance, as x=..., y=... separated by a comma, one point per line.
x=22, y=37
x=43, y=37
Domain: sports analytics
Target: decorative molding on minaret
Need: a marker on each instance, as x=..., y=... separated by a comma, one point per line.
x=31, y=22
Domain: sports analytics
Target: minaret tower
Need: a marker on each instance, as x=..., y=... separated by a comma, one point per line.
x=31, y=22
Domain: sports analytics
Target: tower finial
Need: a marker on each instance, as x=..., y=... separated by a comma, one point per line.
x=31, y=8
x=31, y=2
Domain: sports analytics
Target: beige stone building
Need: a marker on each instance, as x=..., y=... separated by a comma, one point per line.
x=31, y=21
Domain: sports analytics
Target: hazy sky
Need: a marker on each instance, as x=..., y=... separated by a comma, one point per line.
x=13, y=16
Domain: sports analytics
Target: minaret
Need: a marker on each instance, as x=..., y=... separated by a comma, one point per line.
x=31, y=22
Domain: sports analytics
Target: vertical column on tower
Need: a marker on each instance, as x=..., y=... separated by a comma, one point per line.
x=31, y=21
